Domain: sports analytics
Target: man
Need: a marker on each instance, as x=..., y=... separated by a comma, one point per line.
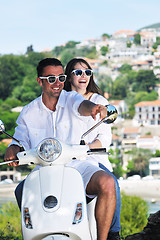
x=55, y=114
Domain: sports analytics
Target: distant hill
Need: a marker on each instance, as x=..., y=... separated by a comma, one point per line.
x=156, y=25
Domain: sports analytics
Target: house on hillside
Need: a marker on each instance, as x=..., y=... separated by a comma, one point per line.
x=94, y=63
x=129, y=34
x=154, y=167
x=116, y=142
x=148, y=38
x=129, y=138
x=149, y=142
x=147, y=113
x=145, y=65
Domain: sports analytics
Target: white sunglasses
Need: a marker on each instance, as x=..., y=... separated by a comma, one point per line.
x=79, y=72
x=52, y=79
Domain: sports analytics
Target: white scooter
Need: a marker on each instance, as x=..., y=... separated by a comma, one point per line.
x=54, y=202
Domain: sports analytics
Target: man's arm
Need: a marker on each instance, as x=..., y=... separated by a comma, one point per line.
x=88, y=108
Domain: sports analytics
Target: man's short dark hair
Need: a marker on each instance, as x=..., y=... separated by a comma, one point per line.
x=47, y=62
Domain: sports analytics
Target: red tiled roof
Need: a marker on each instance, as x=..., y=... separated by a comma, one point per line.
x=125, y=31
x=139, y=63
x=114, y=137
x=148, y=103
x=146, y=136
x=6, y=140
x=115, y=102
x=131, y=130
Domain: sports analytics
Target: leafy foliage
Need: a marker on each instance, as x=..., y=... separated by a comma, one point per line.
x=104, y=50
x=105, y=83
x=137, y=39
x=133, y=218
x=145, y=81
x=139, y=163
x=125, y=68
x=134, y=212
x=116, y=161
x=10, y=222
x=12, y=70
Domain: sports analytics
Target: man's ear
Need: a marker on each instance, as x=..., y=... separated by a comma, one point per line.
x=39, y=81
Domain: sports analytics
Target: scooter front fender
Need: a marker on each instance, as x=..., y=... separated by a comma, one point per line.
x=66, y=187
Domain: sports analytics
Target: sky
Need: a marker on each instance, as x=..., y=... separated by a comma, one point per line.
x=45, y=24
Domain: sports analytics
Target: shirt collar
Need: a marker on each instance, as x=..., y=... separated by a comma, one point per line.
x=60, y=103
x=62, y=99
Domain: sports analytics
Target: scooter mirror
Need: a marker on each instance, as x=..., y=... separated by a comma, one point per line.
x=2, y=128
x=110, y=118
x=111, y=114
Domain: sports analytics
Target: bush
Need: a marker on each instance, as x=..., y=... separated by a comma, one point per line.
x=134, y=213
x=10, y=222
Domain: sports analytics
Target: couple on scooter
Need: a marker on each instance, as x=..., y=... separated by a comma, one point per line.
x=65, y=115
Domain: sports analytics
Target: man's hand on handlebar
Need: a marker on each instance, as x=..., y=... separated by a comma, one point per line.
x=99, y=109
x=11, y=154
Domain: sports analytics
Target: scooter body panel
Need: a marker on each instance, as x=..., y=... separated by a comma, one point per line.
x=66, y=186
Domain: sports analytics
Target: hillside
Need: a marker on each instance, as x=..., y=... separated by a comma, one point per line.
x=156, y=25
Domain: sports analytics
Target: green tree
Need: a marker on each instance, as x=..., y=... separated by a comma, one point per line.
x=145, y=81
x=105, y=83
x=137, y=39
x=120, y=87
x=105, y=36
x=145, y=96
x=92, y=53
x=131, y=76
x=9, y=119
x=12, y=71
x=129, y=44
x=139, y=163
x=66, y=56
x=29, y=49
x=116, y=162
x=71, y=44
x=57, y=51
x=3, y=148
x=125, y=68
x=157, y=153
x=104, y=50
x=33, y=58
x=155, y=46
x=134, y=211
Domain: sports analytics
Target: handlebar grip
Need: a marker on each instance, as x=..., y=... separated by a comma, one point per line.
x=97, y=150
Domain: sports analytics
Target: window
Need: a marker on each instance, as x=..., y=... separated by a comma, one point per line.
x=153, y=109
x=140, y=109
x=155, y=172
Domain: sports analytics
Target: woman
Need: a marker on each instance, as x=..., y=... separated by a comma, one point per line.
x=80, y=79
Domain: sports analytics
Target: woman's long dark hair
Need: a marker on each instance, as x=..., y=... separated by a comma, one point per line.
x=92, y=86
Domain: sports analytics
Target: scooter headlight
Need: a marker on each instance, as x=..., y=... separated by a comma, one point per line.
x=49, y=149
